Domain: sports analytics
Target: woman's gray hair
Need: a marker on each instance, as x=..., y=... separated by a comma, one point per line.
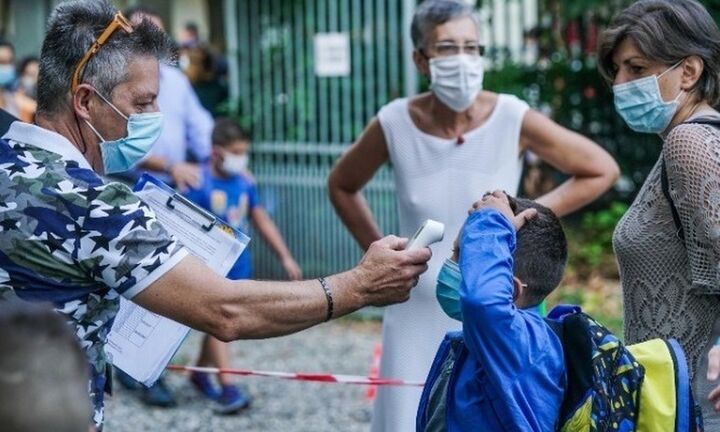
x=432, y=13
x=71, y=30
x=667, y=31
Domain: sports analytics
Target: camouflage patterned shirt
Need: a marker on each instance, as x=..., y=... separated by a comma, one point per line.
x=70, y=238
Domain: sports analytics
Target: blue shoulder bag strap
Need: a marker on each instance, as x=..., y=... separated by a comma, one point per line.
x=715, y=122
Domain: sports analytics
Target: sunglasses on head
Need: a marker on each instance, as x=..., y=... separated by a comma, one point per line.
x=118, y=22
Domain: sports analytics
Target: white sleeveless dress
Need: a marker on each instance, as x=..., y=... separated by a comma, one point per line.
x=436, y=178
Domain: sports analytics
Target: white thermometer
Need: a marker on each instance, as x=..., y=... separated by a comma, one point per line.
x=429, y=232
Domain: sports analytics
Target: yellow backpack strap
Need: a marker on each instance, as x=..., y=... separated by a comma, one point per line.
x=658, y=398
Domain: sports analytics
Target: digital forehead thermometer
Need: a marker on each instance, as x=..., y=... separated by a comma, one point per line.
x=429, y=232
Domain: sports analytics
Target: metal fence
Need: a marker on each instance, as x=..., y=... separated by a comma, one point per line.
x=301, y=123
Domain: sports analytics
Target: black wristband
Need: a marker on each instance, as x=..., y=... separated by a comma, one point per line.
x=328, y=296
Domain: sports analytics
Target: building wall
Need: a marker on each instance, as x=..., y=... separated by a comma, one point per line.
x=24, y=24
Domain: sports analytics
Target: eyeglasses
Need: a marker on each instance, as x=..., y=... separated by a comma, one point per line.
x=444, y=49
x=119, y=22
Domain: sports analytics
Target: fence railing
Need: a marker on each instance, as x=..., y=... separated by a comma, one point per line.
x=293, y=189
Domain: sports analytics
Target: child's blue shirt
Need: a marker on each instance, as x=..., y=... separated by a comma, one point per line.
x=231, y=199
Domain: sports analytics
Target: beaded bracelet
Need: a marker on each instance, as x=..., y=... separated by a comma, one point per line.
x=328, y=297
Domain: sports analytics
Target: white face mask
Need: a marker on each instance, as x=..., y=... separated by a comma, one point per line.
x=457, y=80
x=183, y=62
x=234, y=164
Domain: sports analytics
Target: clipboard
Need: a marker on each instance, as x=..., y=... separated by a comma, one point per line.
x=142, y=343
x=201, y=232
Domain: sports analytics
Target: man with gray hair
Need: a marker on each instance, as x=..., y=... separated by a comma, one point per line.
x=69, y=237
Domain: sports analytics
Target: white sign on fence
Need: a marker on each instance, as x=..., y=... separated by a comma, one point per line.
x=332, y=54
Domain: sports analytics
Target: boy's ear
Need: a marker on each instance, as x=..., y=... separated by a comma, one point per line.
x=518, y=289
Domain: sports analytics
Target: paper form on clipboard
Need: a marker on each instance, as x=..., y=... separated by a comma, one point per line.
x=142, y=343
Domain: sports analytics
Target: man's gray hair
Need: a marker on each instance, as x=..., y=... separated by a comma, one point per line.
x=432, y=13
x=667, y=31
x=71, y=30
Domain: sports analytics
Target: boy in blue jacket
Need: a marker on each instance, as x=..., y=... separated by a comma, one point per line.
x=505, y=371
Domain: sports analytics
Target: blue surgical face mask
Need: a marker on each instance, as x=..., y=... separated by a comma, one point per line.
x=142, y=132
x=641, y=105
x=7, y=75
x=447, y=289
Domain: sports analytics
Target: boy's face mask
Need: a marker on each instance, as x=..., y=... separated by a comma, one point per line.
x=234, y=164
x=447, y=289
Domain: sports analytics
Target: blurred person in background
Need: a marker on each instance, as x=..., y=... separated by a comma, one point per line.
x=228, y=190
x=200, y=65
x=13, y=99
x=27, y=76
x=189, y=35
x=43, y=371
x=447, y=148
x=26, y=87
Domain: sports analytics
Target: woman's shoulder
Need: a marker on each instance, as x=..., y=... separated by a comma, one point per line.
x=693, y=138
x=510, y=100
x=395, y=105
x=692, y=149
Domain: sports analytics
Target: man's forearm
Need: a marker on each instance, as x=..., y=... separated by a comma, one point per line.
x=260, y=309
x=192, y=294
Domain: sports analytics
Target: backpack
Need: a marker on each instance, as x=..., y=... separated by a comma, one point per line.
x=715, y=122
x=643, y=387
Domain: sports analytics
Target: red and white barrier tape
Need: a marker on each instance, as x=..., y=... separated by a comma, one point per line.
x=316, y=377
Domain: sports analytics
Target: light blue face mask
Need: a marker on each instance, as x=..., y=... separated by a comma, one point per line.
x=641, y=105
x=7, y=75
x=142, y=132
x=447, y=289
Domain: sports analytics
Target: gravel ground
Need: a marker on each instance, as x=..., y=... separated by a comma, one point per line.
x=343, y=346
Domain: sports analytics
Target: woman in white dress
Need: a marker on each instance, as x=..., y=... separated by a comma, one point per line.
x=448, y=147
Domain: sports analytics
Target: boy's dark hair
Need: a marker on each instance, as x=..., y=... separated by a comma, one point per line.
x=227, y=131
x=43, y=373
x=540, y=252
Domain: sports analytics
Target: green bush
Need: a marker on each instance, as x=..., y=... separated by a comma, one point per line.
x=590, y=243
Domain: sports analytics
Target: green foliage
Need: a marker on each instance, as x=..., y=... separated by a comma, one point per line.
x=590, y=244
x=605, y=305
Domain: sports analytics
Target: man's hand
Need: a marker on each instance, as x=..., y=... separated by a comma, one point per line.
x=498, y=200
x=387, y=272
x=713, y=373
x=185, y=175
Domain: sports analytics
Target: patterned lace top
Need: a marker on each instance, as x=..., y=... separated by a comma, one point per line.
x=670, y=289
